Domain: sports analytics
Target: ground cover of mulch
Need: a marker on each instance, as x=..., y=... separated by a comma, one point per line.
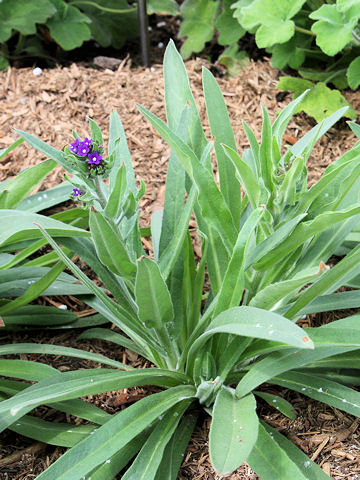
x=59, y=100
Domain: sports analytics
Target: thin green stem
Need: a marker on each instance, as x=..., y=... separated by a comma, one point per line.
x=99, y=192
x=104, y=9
x=355, y=37
x=305, y=30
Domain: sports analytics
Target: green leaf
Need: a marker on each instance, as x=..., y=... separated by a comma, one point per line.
x=255, y=323
x=18, y=225
x=175, y=449
x=233, y=431
x=23, y=17
x=279, y=403
x=320, y=102
x=110, y=336
x=345, y=5
x=270, y=461
x=68, y=26
x=26, y=370
x=333, y=28
x=110, y=28
x=197, y=25
x=152, y=295
x=25, y=182
x=228, y=27
x=114, y=435
x=47, y=199
x=353, y=73
x=164, y=7
x=234, y=60
x=38, y=315
x=44, y=349
x=61, y=434
x=321, y=389
x=309, y=468
x=147, y=462
x=110, y=248
x=275, y=24
x=70, y=385
x=221, y=129
x=10, y=148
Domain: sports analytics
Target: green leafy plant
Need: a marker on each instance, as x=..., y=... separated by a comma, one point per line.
x=29, y=28
x=319, y=40
x=265, y=237
x=22, y=277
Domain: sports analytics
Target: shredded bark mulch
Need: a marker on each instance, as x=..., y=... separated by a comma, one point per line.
x=50, y=106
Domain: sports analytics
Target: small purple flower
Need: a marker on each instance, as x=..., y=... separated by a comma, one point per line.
x=77, y=192
x=74, y=147
x=94, y=158
x=83, y=149
x=87, y=141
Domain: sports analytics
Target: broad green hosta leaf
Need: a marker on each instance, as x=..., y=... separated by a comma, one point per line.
x=279, y=403
x=353, y=74
x=114, y=435
x=197, y=25
x=110, y=248
x=68, y=26
x=321, y=389
x=152, y=295
x=274, y=21
x=23, y=16
x=228, y=27
x=333, y=28
x=25, y=182
x=320, y=102
x=233, y=431
x=270, y=461
x=19, y=226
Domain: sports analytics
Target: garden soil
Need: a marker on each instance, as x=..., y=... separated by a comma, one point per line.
x=59, y=100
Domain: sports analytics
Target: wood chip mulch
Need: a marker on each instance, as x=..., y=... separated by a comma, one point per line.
x=50, y=106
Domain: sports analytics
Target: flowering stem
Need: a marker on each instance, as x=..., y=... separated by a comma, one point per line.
x=99, y=192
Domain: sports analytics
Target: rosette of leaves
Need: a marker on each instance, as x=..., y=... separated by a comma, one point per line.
x=266, y=239
x=303, y=35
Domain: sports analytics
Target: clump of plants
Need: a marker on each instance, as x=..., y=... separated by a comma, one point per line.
x=266, y=239
x=318, y=39
x=34, y=27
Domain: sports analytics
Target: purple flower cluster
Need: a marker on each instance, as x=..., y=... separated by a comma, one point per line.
x=86, y=149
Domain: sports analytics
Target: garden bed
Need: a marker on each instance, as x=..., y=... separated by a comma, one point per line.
x=50, y=106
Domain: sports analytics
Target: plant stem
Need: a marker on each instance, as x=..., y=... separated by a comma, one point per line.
x=305, y=30
x=100, y=194
x=104, y=9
